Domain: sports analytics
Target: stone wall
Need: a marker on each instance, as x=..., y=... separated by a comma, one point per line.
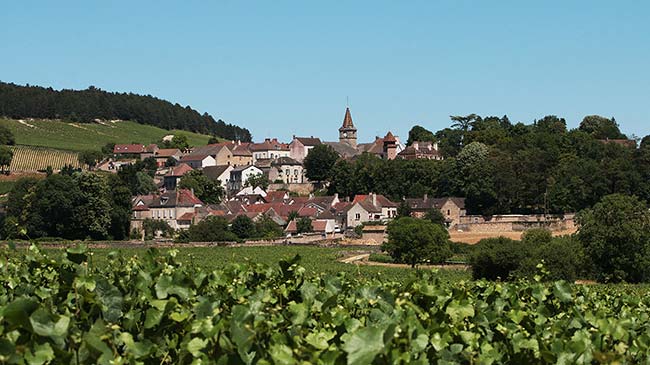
x=300, y=189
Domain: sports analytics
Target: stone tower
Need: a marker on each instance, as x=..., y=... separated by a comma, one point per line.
x=347, y=132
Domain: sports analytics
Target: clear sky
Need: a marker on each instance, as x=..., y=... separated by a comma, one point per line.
x=286, y=67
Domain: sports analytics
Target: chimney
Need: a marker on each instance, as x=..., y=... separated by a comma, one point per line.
x=374, y=199
x=426, y=197
x=336, y=196
x=416, y=145
x=429, y=146
x=267, y=140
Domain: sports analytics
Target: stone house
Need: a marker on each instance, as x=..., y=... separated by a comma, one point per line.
x=179, y=208
x=172, y=178
x=239, y=176
x=269, y=149
x=421, y=150
x=370, y=208
x=219, y=173
x=300, y=146
x=162, y=155
x=452, y=208
x=198, y=161
x=288, y=170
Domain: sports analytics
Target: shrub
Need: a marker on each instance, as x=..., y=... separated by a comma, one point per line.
x=211, y=229
x=380, y=257
x=496, y=258
x=413, y=241
x=563, y=259
x=616, y=236
x=243, y=227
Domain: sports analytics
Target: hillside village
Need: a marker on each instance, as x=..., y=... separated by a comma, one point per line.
x=288, y=197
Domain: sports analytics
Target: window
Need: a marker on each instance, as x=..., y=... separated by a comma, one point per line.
x=357, y=216
x=448, y=212
x=287, y=172
x=295, y=172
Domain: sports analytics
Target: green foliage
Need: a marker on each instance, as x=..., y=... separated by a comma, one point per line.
x=420, y=134
x=259, y=180
x=84, y=106
x=616, y=236
x=211, y=229
x=319, y=162
x=156, y=227
x=6, y=136
x=266, y=228
x=380, y=257
x=6, y=155
x=208, y=190
x=303, y=225
x=90, y=158
x=243, y=227
x=415, y=241
x=152, y=309
x=502, y=258
x=601, y=128
x=434, y=215
x=497, y=258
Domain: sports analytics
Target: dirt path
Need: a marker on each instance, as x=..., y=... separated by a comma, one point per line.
x=363, y=260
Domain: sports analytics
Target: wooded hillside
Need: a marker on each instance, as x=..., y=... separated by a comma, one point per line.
x=82, y=106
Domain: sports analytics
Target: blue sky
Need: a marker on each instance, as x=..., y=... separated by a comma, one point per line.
x=286, y=67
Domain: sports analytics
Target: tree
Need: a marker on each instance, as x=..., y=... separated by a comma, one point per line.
x=108, y=149
x=92, y=211
x=243, y=227
x=434, y=215
x=464, y=123
x=319, y=162
x=211, y=229
x=303, y=225
x=170, y=162
x=259, y=180
x=601, y=127
x=414, y=241
x=497, y=258
x=267, y=228
x=419, y=133
x=90, y=158
x=616, y=237
x=6, y=136
x=144, y=184
x=213, y=140
x=293, y=215
x=6, y=155
x=403, y=210
x=208, y=190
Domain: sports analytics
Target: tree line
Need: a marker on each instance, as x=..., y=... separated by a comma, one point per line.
x=501, y=167
x=84, y=106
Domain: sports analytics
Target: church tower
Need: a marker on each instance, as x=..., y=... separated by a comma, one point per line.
x=347, y=132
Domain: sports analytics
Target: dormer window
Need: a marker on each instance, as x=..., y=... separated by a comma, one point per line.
x=164, y=200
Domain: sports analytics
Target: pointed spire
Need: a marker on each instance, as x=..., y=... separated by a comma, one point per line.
x=347, y=120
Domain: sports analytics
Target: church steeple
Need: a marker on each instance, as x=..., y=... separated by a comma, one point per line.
x=347, y=132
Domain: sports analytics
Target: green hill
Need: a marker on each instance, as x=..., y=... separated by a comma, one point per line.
x=90, y=136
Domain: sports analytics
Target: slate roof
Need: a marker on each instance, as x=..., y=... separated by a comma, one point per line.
x=176, y=198
x=347, y=121
x=213, y=172
x=343, y=149
x=424, y=204
x=280, y=161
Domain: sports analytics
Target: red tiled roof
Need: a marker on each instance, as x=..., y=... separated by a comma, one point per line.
x=389, y=137
x=194, y=157
x=180, y=170
x=273, y=196
x=185, y=196
x=167, y=152
x=128, y=148
x=186, y=217
x=269, y=145
x=319, y=225
x=308, y=212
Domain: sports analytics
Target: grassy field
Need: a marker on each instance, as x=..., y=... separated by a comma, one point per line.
x=316, y=260
x=91, y=136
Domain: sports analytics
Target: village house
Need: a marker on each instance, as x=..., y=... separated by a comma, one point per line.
x=129, y=150
x=287, y=170
x=324, y=227
x=452, y=208
x=179, y=208
x=173, y=177
x=198, y=161
x=164, y=154
x=219, y=173
x=269, y=149
x=300, y=146
x=421, y=150
x=370, y=208
x=239, y=176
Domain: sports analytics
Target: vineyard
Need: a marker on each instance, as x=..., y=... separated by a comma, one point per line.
x=154, y=310
x=29, y=158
